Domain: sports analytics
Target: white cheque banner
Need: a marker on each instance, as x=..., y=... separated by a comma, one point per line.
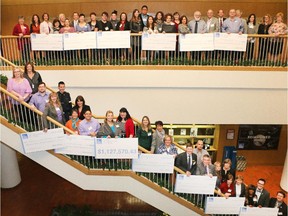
x=165, y=42
x=78, y=145
x=116, y=148
x=254, y=211
x=77, y=41
x=153, y=163
x=41, y=141
x=195, y=184
x=232, y=41
x=214, y=205
x=47, y=42
x=196, y=42
x=113, y=39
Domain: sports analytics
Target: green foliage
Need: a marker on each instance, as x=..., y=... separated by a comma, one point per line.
x=4, y=79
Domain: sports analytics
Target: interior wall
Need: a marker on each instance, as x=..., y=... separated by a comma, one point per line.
x=12, y=9
x=254, y=157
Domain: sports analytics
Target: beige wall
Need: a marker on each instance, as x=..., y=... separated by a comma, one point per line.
x=254, y=157
x=12, y=9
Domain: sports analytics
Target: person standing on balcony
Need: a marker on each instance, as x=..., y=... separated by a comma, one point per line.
x=199, y=151
x=159, y=20
x=187, y=161
x=123, y=25
x=158, y=136
x=244, y=22
x=109, y=128
x=276, y=29
x=144, y=134
x=125, y=123
x=65, y=100
x=113, y=20
x=252, y=28
x=62, y=19
x=227, y=188
x=264, y=42
x=75, y=20
x=35, y=24
x=46, y=26
x=19, y=86
x=33, y=77
x=89, y=126
x=227, y=169
x=93, y=22
x=136, y=26
x=80, y=106
x=144, y=15
x=221, y=19
x=21, y=29
x=205, y=167
x=54, y=110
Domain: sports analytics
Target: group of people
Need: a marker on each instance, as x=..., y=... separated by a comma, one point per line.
x=142, y=21
x=29, y=87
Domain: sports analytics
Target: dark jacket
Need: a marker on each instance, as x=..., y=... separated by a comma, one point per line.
x=182, y=163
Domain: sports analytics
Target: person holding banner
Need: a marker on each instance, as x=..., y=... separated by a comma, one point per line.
x=144, y=133
x=167, y=147
x=279, y=203
x=206, y=168
x=136, y=26
x=227, y=188
x=109, y=129
x=73, y=123
x=125, y=123
x=240, y=188
x=89, y=126
x=187, y=161
x=250, y=197
x=54, y=110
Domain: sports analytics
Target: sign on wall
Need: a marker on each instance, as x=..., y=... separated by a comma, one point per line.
x=258, y=137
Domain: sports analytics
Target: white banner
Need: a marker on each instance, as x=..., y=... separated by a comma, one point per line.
x=41, y=141
x=78, y=145
x=196, y=42
x=255, y=211
x=165, y=42
x=232, y=41
x=113, y=39
x=195, y=184
x=221, y=205
x=47, y=42
x=116, y=148
x=153, y=163
x=77, y=41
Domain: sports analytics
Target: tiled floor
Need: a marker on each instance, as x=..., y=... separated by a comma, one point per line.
x=41, y=190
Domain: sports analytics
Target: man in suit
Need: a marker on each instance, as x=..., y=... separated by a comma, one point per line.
x=279, y=203
x=263, y=196
x=211, y=22
x=75, y=20
x=221, y=19
x=187, y=161
x=206, y=168
x=144, y=15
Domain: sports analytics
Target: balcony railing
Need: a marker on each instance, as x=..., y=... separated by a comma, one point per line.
x=262, y=50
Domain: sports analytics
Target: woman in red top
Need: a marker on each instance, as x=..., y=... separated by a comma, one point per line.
x=20, y=30
x=125, y=123
x=35, y=24
x=227, y=188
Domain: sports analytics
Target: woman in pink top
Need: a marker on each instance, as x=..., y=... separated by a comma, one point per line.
x=67, y=28
x=20, y=87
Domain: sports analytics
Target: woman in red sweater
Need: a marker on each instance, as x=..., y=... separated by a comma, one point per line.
x=125, y=123
x=20, y=30
x=227, y=188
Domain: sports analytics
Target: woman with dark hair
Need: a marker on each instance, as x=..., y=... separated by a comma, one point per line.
x=264, y=42
x=252, y=28
x=149, y=29
x=93, y=22
x=82, y=26
x=33, y=77
x=183, y=26
x=227, y=188
x=80, y=106
x=168, y=25
x=125, y=123
x=73, y=123
x=136, y=27
x=251, y=197
x=35, y=24
x=123, y=24
x=144, y=133
x=159, y=20
x=46, y=26
x=56, y=26
x=176, y=20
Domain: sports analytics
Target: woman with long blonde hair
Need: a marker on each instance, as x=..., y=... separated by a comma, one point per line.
x=54, y=110
x=109, y=129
